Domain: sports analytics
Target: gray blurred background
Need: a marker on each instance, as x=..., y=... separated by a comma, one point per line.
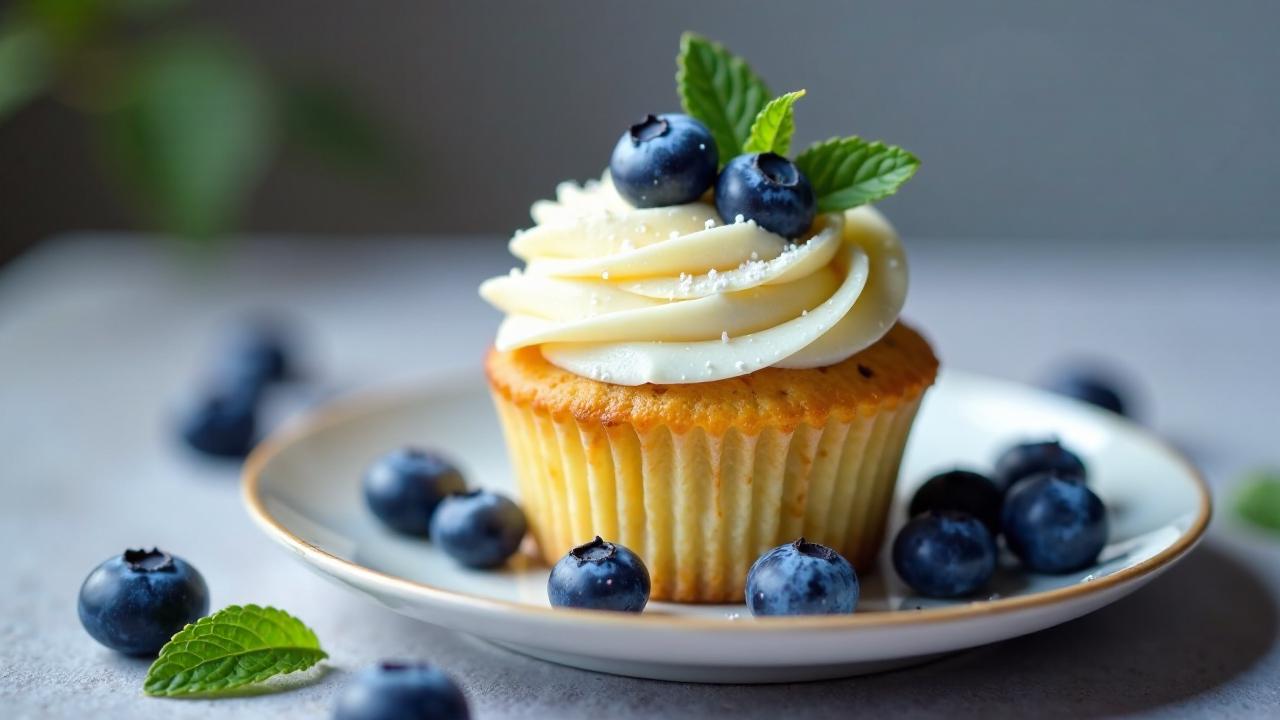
x=1140, y=121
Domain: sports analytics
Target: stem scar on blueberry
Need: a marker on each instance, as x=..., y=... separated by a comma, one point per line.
x=804, y=547
x=403, y=665
x=597, y=550
x=153, y=560
x=777, y=169
x=651, y=127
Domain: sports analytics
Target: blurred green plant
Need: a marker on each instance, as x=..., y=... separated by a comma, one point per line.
x=185, y=120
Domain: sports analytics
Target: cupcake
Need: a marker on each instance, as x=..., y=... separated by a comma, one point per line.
x=701, y=358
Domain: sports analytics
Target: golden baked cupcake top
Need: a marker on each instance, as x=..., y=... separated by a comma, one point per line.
x=894, y=370
x=705, y=254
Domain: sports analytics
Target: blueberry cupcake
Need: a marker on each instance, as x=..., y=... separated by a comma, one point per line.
x=701, y=358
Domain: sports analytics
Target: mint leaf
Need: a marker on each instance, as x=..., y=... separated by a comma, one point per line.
x=848, y=172
x=1259, y=499
x=774, y=126
x=234, y=647
x=720, y=89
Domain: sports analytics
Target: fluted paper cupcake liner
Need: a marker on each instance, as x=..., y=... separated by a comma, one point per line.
x=700, y=507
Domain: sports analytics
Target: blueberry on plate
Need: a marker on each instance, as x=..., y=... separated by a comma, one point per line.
x=479, y=529
x=599, y=576
x=802, y=578
x=667, y=159
x=1090, y=386
x=223, y=423
x=1054, y=524
x=402, y=691
x=768, y=189
x=945, y=554
x=962, y=490
x=404, y=487
x=134, y=602
x=1033, y=458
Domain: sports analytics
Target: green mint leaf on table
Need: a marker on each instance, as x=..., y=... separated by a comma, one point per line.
x=720, y=89
x=848, y=172
x=774, y=126
x=1259, y=499
x=232, y=648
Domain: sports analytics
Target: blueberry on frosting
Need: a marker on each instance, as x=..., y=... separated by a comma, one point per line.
x=664, y=160
x=768, y=189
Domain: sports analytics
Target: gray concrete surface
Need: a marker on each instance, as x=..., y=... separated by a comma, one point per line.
x=101, y=337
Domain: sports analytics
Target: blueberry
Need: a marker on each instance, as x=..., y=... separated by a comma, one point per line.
x=1054, y=524
x=1091, y=387
x=961, y=490
x=599, y=576
x=801, y=578
x=259, y=353
x=1033, y=458
x=404, y=487
x=223, y=423
x=402, y=691
x=135, y=602
x=944, y=554
x=479, y=529
x=667, y=159
x=769, y=189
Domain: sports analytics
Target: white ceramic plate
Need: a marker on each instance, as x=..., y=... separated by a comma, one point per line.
x=302, y=487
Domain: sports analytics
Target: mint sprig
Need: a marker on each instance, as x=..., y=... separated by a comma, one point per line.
x=774, y=125
x=720, y=89
x=848, y=172
x=232, y=648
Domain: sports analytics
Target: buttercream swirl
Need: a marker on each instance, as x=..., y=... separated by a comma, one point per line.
x=675, y=294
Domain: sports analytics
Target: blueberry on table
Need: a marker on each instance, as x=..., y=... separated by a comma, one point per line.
x=134, y=602
x=1091, y=387
x=802, y=578
x=223, y=423
x=479, y=529
x=1033, y=458
x=404, y=487
x=1054, y=524
x=662, y=160
x=402, y=691
x=259, y=353
x=945, y=554
x=962, y=490
x=599, y=576
x=768, y=189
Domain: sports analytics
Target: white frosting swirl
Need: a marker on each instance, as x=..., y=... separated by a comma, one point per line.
x=673, y=295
